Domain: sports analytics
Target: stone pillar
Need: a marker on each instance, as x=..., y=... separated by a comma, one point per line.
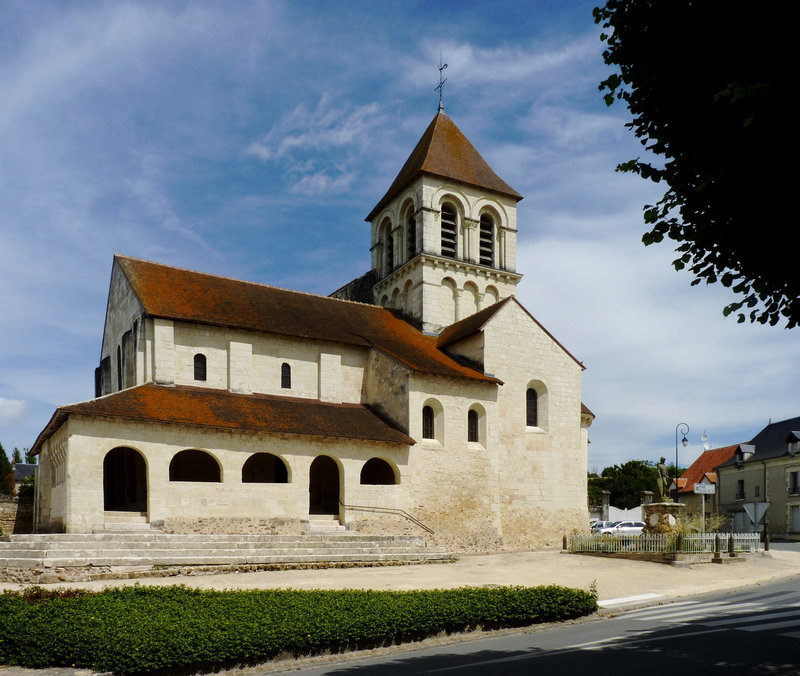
x=605, y=499
x=647, y=497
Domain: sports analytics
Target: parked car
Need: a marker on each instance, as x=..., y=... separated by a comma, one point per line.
x=598, y=525
x=624, y=528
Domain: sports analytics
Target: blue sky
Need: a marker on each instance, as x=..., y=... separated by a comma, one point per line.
x=250, y=139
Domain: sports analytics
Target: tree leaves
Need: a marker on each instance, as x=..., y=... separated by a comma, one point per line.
x=704, y=87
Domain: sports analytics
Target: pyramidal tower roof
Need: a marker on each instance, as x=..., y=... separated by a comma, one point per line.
x=444, y=151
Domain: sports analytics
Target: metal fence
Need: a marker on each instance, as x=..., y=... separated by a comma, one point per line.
x=694, y=543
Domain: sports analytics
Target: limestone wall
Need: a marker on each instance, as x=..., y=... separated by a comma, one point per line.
x=184, y=505
x=122, y=311
x=541, y=470
x=16, y=516
x=334, y=372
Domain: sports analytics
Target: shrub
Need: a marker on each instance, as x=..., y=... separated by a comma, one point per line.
x=141, y=629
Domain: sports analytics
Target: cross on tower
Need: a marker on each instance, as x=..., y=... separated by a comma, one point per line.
x=440, y=86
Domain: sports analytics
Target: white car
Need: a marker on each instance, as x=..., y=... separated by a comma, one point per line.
x=624, y=528
x=597, y=526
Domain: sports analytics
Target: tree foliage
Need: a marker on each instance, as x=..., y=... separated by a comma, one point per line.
x=627, y=481
x=6, y=475
x=705, y=83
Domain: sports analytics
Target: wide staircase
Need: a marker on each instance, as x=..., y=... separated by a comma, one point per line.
x=154, y=549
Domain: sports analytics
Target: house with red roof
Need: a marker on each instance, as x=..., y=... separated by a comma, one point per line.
x=702, y=471
x=422, y=388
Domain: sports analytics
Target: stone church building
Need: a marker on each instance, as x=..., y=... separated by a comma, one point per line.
x=423, y=389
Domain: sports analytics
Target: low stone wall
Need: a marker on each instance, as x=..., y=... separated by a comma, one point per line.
x=234, y=526
x=16, y=516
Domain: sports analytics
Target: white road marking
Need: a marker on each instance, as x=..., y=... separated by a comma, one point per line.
x=759, y=619
x=628, y=599
x=693, y=613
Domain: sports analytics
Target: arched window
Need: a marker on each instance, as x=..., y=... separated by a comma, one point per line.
x=411, y=236
x=264, y=468
x=286, y=376
x=428, y=429
x=473, y=433
x=194, y=465
x=199, y=366
x=486, y=254
x=119, y=367
x=448, y=231
x=531, y=408
x=377, y=472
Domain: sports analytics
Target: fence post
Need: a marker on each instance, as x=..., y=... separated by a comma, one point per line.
x=679, y=543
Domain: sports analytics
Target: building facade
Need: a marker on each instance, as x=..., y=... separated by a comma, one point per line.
x=423, y=388
x=759, y=486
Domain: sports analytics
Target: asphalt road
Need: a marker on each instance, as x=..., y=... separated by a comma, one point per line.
x=754, y=632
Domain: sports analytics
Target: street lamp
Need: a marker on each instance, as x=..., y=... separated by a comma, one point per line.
x=684, y=428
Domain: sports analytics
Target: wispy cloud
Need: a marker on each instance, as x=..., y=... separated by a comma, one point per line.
x=320, y=149
x=11, y=411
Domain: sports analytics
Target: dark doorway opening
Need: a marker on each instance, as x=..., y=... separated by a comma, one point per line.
x=124, y=481
x=323, y=486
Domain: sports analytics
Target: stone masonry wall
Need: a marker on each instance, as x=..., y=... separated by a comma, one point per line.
x=16, y=516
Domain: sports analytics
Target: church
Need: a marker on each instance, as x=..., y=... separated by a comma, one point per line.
x=419, y=398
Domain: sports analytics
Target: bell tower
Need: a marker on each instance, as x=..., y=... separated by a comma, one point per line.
x=444, y=236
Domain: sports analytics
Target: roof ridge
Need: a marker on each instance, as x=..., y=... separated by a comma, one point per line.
x=245, y=281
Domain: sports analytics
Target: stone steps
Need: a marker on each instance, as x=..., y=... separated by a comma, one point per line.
x=159, y=549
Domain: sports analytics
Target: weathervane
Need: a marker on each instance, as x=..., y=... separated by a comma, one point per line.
x=440, y=86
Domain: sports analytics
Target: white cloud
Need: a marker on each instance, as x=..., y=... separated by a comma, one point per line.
x=509, y=65
x=320, y=150
x=331, y=125
x=12, y=411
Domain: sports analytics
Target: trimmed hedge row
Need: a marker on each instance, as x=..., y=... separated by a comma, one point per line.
x=142, y=629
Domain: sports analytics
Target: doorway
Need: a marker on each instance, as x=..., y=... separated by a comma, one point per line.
x=323, y=486
x=124, y=481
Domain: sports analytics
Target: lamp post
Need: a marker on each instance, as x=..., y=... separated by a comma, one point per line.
x=684, y=429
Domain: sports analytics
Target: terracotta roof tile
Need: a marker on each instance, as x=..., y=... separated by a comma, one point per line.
x=444, y=151
x=183, y=295
x=469, y=325
x=704, y=466
x=204, y=407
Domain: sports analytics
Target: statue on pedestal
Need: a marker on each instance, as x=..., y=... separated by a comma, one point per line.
x=663, y=480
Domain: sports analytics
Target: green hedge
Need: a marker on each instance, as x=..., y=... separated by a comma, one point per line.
x=142, y=629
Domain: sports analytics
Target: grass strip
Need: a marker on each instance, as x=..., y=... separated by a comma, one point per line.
x=138, y=629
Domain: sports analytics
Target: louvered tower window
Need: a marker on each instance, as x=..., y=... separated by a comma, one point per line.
x=448, y=231
x=486, y=240
x=389, y=252
x=412, y=237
